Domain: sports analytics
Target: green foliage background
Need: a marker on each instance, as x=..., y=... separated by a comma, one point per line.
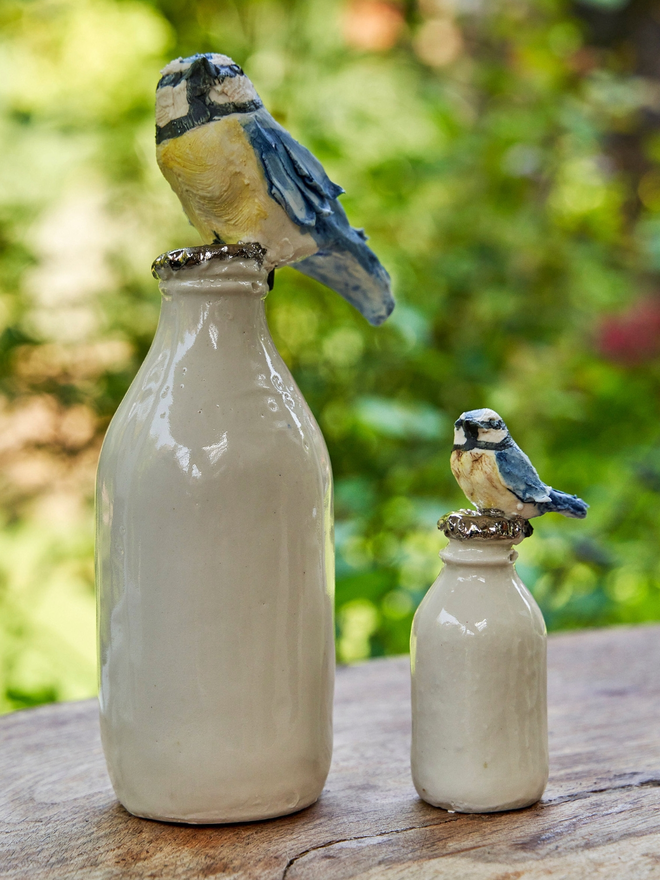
x=504, y=157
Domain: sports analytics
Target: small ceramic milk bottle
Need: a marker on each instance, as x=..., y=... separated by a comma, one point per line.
x=215, y=568
x=478, y=656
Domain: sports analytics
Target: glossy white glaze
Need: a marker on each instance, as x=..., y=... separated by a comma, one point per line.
x=215, y=567
x=478, y=658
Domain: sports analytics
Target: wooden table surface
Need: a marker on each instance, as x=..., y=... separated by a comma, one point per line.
x=600, y=816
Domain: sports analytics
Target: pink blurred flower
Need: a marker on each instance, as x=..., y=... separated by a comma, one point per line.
x=633, y=337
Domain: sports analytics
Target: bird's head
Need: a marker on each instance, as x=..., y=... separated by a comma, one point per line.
x=479, y=428
x=197, y=85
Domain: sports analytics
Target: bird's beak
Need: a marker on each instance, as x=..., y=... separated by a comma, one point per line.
x=471, y=428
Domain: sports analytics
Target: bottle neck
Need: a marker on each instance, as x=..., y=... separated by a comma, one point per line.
x=224, y=300
x=233, y=278
x=476, y=552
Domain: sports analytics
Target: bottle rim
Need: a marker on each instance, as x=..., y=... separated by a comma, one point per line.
x=168, y=265
x=485, y=526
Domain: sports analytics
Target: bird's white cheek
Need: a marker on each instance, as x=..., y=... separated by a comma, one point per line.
x=233, y=90
x=171, y=103
x=459, y=437
x=490, y=435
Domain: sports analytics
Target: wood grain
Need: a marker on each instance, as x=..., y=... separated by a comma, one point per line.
x=600, y=816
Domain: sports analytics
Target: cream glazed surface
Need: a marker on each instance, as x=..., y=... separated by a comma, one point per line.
x=215, y=566
x=478, y=659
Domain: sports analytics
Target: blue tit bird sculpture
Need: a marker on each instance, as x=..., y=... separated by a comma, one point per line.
x=241, y=177
x=494, y=472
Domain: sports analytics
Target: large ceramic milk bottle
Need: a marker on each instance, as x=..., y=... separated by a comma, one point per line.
x=478, y=656
x=215, y=562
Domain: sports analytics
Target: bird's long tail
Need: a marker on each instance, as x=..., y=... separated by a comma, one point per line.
x=568, y=505
x=369, y=291
x=346, y=264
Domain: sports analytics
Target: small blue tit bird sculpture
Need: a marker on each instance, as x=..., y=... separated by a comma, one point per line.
x=241, y=177
x=494, y=472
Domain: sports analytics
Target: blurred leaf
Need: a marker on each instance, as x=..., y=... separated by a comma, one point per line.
x=504, y=159
x=394, y=419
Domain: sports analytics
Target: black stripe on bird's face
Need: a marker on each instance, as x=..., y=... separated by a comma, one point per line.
x=482, y=444
x=201, y=113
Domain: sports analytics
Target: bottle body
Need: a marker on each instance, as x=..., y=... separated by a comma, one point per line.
x=479, y=684
x=215, y=569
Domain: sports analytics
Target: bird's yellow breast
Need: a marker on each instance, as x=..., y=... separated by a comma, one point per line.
x=478, y=476
x=216, y=175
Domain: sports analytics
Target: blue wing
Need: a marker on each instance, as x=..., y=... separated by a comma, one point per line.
x=520, y=476
x=298, y=182
x=296, y=179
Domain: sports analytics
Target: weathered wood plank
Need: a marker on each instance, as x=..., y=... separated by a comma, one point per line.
x=59, y=818
x=606, y=836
